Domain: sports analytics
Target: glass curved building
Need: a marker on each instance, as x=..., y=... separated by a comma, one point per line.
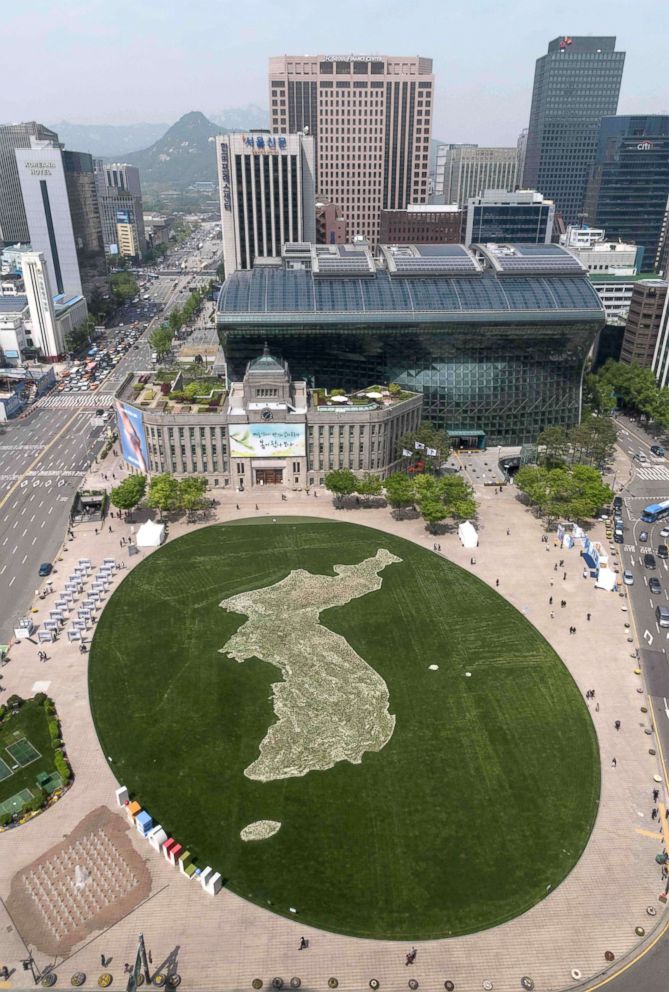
x=495, y=337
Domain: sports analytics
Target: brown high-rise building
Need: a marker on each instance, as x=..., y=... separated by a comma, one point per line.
x=371, y=116
x=643, y=322
x=422, y=224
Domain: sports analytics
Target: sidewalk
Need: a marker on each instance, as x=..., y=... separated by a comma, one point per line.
x=226, y=942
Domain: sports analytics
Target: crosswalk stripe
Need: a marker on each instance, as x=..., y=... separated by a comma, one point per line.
x=656, y=473
x=65, y=401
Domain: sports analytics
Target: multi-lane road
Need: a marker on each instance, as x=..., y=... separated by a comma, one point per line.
x=44, y=458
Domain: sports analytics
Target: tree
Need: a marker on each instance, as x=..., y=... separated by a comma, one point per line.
x=369, y=485
x=432, y=438
x=555, y=446
x=161, y=340
x=341, y=482
x=175, y=319
x=220, y=271
x=400, y=491
x=567, y=493
x=457, y=496
x=432, y=511
x=593, y=441
x=190, y=493
x=163, y=493
x=129, y=493
x=123, y=287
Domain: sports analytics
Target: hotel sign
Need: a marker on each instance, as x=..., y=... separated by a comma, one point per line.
x=225, y=177
x=40, y=168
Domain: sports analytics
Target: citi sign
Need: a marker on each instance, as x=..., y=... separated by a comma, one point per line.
x=644, y=146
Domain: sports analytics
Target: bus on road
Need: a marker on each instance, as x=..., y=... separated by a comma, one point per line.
x=656, y=511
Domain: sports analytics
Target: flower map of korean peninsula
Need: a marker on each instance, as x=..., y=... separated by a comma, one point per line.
x=331, y=705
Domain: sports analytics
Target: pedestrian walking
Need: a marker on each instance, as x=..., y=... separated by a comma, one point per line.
x=550, y=600
x=597, y=708
x=96, y=530
x=653, y=815
x=587, y=694
x=439, y=547
x=497, y=583
x=573, y=630
x=617, y=724
x=303, y=944
x=593, y=693
x=237, y=505
x=555, y=567
x=613, y=762
x=561, y=562
x=656, y=795
x=552, y=615
x=434, y=547
x=587, y=617
x=564, y=576
x=110, y=530
x=508, y=532
x=102, y=961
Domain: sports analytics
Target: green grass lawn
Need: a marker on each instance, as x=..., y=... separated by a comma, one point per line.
x=31, y=723
x=482, y=800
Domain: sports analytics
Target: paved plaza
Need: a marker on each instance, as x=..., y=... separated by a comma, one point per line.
x=225, y=942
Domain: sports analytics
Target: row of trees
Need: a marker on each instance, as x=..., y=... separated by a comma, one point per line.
x=630, y=387
x=124, y=287
x=161, y=339
x=165, y=493
x=436, y=498
x=574, y=492
x=592, y=442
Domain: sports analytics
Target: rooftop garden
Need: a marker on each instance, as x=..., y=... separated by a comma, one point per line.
x=372, y=396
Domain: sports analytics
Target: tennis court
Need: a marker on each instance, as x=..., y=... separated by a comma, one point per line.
x=23, y=752
x=5, y=770
x=16, y=802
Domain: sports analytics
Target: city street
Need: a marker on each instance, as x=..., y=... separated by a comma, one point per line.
x=44, y=457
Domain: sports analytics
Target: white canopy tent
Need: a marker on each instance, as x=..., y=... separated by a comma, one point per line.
x=150, y=535
x=606, y=579
x=467, y=534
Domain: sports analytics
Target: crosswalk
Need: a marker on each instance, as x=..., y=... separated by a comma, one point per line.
x=656, y=473
x=63, y=401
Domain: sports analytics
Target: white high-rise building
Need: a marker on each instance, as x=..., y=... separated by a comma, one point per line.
x=266, y=184
x=46, y=331
x=371, y=118
x=465, y=171
x=47, y=210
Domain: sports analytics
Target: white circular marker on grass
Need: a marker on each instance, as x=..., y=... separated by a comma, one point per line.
x=260, y=830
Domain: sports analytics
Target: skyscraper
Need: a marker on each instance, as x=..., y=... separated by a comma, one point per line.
x=575, y=84
x=469, y=170
x=371, y=117
x=46, y=334
x=47, y=210
x=266, y=185
x=13, y=224
x=119, y=194
x=629, y=187
x=85, y=214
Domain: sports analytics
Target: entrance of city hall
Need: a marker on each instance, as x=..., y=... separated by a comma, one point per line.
x=269, y=476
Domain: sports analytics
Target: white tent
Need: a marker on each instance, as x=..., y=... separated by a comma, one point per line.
x=606, y=579
x=467, y=534
x=150, y=535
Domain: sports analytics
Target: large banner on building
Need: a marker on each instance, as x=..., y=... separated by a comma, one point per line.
x=132, y=436
x=267, y=441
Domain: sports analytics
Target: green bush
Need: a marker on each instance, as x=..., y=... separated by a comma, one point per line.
x=14, y=702
x=62, y=766
x=54, y=729
x=3, y=712
x=5, y=819
x=56, y=743
x=40, y=698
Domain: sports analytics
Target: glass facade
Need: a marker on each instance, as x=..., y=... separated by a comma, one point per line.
x=520, y=223
x=628, y=191
x=575, y=84
x=511, y=381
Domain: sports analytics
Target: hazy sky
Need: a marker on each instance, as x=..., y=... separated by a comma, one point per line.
x=89, y=61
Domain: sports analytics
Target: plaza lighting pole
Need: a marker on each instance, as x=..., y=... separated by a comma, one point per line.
x=145, y=963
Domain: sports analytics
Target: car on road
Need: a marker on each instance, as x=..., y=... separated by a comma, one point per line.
x=662, y=616
x=618, y=537
x=649, y=560
x=46, y=568
x=640, y=457
x=662, y=551
x=654, y=586
x=643, y=536
x=664, y=532
x=617, y=502
x=658, y=450
x=628, y=578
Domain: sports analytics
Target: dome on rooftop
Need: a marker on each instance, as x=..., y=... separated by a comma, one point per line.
x=266, y=363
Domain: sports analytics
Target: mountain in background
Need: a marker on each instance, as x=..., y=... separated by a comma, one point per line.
x=107, y=139
x=242, y=118
x=184, y=154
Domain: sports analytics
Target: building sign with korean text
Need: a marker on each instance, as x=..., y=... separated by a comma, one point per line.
x=225, y=177
x=265, y=144
x=267, y=440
